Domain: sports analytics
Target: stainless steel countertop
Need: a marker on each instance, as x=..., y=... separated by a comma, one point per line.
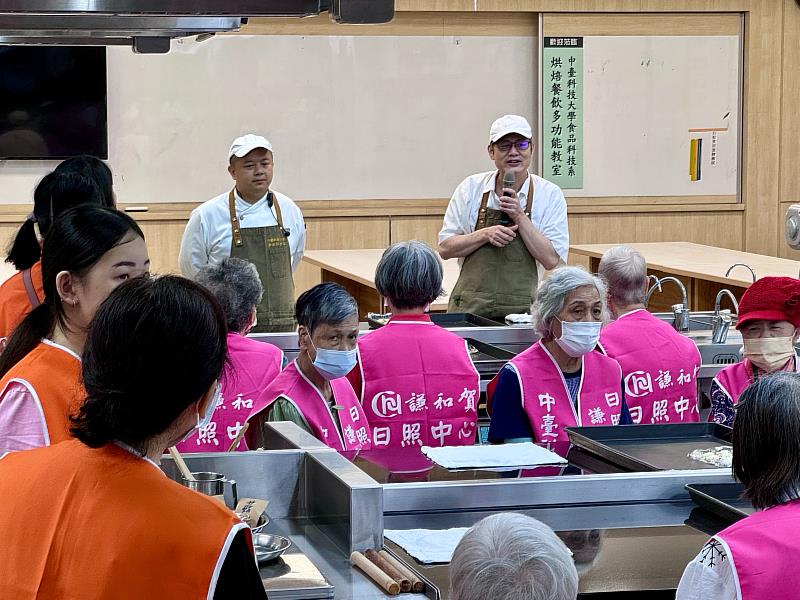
x=350, y=583
x=616, y=547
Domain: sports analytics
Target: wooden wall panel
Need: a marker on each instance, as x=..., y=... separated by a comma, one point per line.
x=404, y=23
x=714, y=229
x=163, y=239
x=339, y=233
x=425, y=228
x=790, y=116
x=594, y=24
x=762, y=126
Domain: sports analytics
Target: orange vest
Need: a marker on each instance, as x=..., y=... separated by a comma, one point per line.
x=53, y=376
x=81, y=523
x=14, y=301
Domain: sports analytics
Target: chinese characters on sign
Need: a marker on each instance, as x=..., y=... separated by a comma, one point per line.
x=562, y=129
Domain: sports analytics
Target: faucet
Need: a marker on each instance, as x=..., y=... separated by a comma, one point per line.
x=729, y=294
x=720, y=324
x=748, y=267
x=680, y=311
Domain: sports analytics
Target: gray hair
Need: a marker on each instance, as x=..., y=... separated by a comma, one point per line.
x=625, y=272
x=409, y=275
x=236, y=286
x=552, y=296
x=324, y=304
x=509, y=556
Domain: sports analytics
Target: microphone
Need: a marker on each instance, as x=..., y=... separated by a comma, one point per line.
x=508, y=182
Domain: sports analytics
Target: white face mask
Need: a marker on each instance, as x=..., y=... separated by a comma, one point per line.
x=579, y=337
x=333, y=364
x=768, y=354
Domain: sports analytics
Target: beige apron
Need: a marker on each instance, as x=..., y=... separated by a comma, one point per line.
x=268, y=249
x=495, y=282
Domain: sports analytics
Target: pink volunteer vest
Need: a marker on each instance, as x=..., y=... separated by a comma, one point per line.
x=546, y=400
x=254, y=365
x=764, y=553
x=733, y=379
x=659, y=366
x=419, y=386
x=293, y=385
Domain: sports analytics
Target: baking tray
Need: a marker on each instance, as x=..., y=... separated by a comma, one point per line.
x=724, y=500
x=450, y=320
x=489, y=359
x=651, y=447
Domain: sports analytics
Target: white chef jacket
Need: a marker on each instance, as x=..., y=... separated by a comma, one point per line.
x=208, y=235
x=710, y=576
x=548, y=214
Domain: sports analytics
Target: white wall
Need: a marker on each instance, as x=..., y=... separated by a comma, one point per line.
x=350, y=117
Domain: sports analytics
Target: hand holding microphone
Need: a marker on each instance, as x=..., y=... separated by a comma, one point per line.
x=507, y=198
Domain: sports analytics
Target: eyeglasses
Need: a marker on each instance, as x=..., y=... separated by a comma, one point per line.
x=520, y=145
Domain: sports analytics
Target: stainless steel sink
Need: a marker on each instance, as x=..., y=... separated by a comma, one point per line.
x=719, y=354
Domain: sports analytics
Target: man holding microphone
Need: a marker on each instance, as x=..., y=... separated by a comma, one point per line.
x=506, y=227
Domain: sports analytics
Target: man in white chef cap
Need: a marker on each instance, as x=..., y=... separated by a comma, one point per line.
x=254, y=223
x=505, y=234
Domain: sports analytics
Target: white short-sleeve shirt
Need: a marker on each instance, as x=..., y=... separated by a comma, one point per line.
x=710, y=576
x=207, y=238
x=548, y=213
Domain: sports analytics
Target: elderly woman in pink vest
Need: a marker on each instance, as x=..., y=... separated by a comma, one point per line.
x=659, y=365
x=416, y=381
x=312, y=391
x=756, y=558
x=252, y=366
x=769, y=320
x=561, y=381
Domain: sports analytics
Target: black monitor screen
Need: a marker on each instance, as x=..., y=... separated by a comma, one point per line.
x=52, y=101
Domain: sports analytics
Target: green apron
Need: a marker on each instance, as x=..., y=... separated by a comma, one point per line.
x=268, y=249
x=495, y=282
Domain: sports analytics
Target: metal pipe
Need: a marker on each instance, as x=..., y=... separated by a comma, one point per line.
x=748, y=267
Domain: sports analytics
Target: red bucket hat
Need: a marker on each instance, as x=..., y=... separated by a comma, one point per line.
x=771, y=299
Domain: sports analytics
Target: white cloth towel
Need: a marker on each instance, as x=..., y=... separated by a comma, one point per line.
x=501, y=456
x=427, y=545
x=519, y=318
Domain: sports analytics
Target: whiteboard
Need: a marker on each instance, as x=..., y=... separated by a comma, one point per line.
x=642, y=95
x=350, y=117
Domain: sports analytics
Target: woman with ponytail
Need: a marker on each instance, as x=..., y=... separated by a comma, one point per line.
x=55, y=193
x=89, y=251
x=96, y=170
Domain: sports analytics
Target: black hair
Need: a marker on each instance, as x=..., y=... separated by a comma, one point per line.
x=96, y=170
x=766, y=439
x=79, y=238
x=54, y=194
x=325, y=303
x=154, y=347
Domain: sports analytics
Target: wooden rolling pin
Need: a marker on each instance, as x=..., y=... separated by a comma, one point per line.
x=417, y=585
x=389, y=585
x=386, y=567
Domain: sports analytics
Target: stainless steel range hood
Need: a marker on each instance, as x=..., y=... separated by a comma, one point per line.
x=149, y=25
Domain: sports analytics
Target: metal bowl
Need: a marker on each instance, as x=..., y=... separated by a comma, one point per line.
x=269, y=547
x=263, y=521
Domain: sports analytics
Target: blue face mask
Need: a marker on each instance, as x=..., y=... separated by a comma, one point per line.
x=206, y=420
x=333, y=364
